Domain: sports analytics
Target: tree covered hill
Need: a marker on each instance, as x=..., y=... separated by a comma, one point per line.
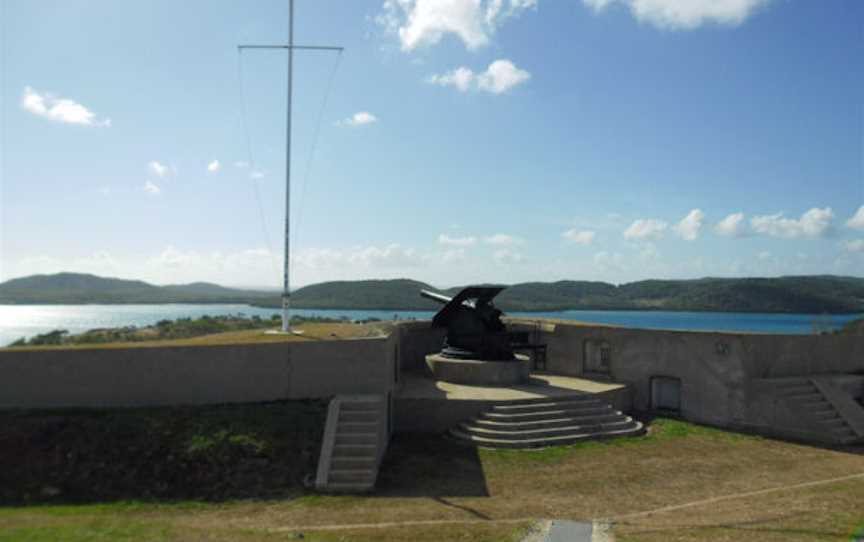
x=805, y=294
x=75, y=288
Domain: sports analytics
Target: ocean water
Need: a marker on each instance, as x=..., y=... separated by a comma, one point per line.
x=18, y=321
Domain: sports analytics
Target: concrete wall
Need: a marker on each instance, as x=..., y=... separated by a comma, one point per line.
x=195, y=375
x=714, y=368
x=416, y=339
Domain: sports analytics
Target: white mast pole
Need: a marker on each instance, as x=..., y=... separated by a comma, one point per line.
x=286, y=286
x=286, y=282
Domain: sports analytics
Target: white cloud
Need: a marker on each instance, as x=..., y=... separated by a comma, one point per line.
x=358, y=119
x=646, y=229
x=255, y=175
x=857, y=220
x=764, y=255
x=370, y=257
x=214, y=166
x=688, y=228
x=152, y=189
x=856, y=245
x=157, y=169
x=812, y=224
x=242, y=164
x=59, y=109
x=502, y=239
x=424, y=22
x=507, y=256
x=461, y=78
x=732, y=226
x=580, y=237
x=499, y=77
x=445, y=239
x=685, y=14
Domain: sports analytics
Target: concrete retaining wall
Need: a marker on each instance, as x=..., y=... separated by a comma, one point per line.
x=195, y=375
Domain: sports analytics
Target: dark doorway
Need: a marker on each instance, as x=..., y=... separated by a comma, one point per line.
x=666, y=394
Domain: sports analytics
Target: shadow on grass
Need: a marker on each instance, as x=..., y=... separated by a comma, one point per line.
x=421, y=465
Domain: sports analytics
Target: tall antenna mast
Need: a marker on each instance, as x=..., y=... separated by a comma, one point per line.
x=286, y=277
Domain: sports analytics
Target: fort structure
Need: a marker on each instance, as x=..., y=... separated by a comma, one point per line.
x=585, y=381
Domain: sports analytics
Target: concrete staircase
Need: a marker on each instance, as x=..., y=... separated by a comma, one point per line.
x=806, y=397
x=353, y=445
x=535, y=423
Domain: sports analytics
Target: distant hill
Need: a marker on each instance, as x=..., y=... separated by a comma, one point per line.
x=810, y=294
x=363, y=294
x=75, y=288
x=816, y=294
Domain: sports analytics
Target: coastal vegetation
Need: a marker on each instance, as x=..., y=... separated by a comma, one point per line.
x=794, y=294
x=170, y=332
x=855, y=327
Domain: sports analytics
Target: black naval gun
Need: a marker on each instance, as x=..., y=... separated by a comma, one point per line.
x=473, y=323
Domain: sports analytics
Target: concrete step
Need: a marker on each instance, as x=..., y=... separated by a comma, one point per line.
x=529, y=434
x=349, y=487
x=360, y=406
x=351, y=476
x=548, y=414
x=834, y=422
x=489, y=442
x=349, y=463
x=787, y=382
x=354, y=450
x=548, y=405
x=559, y=398
x=843, y=430
x=547, y=422
x=799, y=389
x=355, y=438
x=358, y=427
x=361, y=416
x=815, y=404
x=806, y=397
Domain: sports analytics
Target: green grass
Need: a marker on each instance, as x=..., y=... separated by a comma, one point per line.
x=483, y=495
x=108, y=531
x=661, y=430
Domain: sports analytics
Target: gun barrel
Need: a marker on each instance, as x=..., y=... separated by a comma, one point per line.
x=438, y=298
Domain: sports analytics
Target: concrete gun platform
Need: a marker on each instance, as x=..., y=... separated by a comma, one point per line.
x=425, y=405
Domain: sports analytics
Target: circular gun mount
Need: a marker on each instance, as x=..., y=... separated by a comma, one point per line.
x=473, y=323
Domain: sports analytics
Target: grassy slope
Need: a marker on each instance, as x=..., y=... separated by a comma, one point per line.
x=429, y=478
x=206, y=452
x=310, y=332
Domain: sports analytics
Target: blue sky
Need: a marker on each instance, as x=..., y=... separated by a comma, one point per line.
x=461, y=140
